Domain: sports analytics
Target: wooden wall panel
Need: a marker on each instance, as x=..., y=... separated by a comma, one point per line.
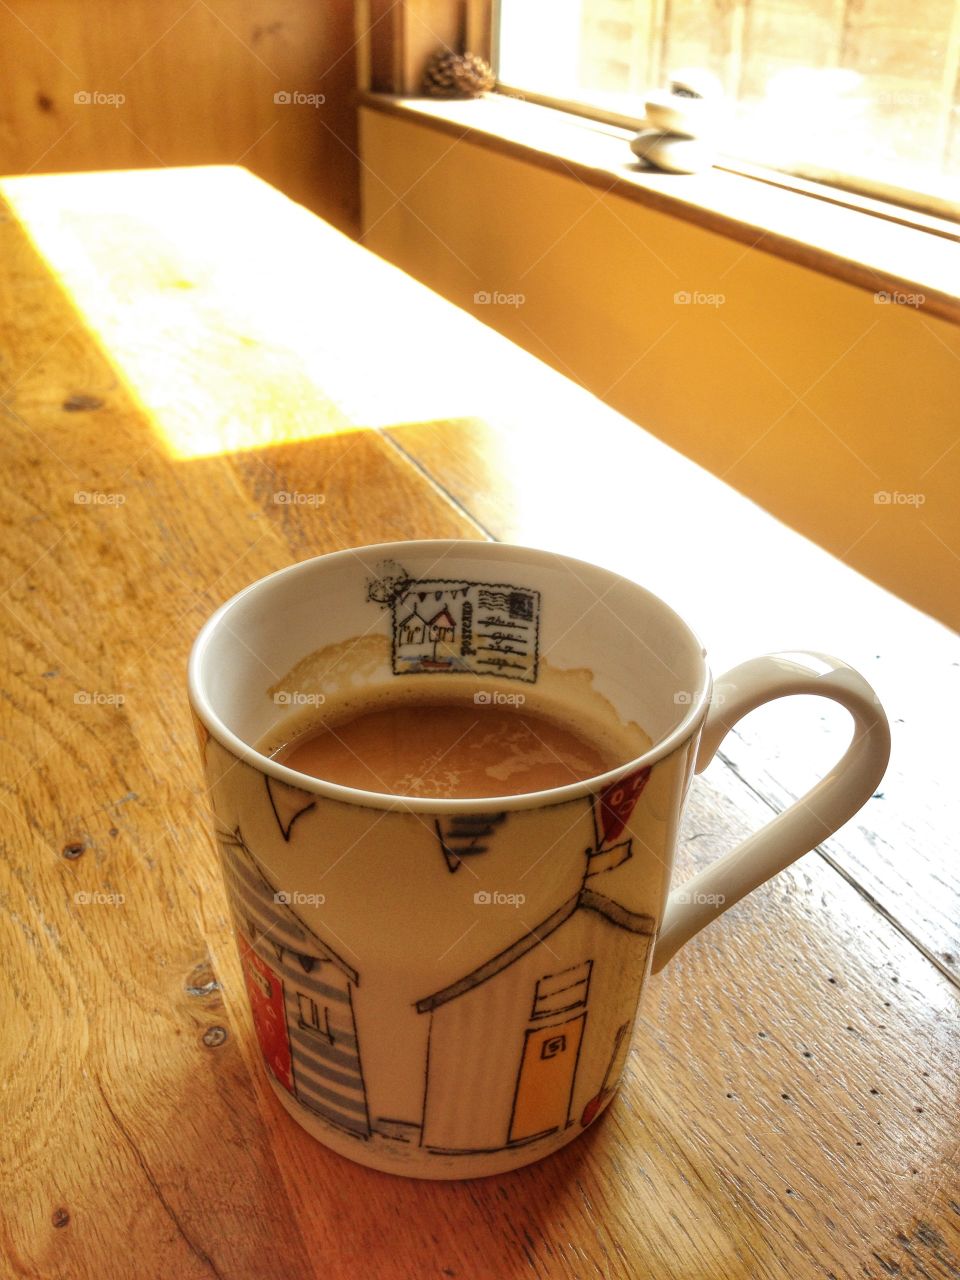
x=198, y=83
x=398, y=37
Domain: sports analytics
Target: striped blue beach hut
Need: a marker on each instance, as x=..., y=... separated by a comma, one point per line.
x=300, y=994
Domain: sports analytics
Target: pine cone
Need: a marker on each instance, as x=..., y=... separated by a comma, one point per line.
x=457, y=75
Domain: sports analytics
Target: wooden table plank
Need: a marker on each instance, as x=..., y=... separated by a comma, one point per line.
x=704, y=1167
x=170, y=1156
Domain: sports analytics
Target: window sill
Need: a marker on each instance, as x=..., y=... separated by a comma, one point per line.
x=871, y=247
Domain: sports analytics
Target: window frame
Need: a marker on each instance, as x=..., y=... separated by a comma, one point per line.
x=323, y=1014
x=538, y=1012
x=912, y=208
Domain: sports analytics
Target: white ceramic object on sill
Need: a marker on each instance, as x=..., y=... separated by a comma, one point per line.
x=672, y=153
x=675, y=113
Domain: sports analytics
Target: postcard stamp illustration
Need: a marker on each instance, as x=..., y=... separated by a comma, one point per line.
x=453, y=625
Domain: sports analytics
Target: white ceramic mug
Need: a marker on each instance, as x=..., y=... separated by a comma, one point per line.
x=447, y=988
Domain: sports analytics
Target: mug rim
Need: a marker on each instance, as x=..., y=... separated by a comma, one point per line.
x=356, y=796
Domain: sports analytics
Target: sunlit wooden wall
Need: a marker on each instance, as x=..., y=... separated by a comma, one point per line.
x=173, y=82
x=801, y=392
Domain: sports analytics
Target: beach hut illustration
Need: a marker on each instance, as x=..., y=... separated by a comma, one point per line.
x=412, y=629
x=442, y=627
x=419, y=638
x=301, y=996
x=557, y=1051
x=526, y=1044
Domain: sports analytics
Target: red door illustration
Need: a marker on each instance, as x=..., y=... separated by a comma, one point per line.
x=265, y=989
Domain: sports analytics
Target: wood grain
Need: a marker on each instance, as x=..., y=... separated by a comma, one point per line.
x=426, y=27
x=396, y=38
x=198, y=82
x=792, y=1094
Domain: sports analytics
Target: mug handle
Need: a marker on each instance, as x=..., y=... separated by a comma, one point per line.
x=807, y=822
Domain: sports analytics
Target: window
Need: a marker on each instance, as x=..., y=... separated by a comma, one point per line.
x=313, y=1016
x=562, y=992
x=864, y=94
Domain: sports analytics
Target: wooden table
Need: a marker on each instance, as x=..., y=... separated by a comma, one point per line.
x=180, y=348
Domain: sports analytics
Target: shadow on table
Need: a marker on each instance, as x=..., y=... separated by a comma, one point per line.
x=592, y=1208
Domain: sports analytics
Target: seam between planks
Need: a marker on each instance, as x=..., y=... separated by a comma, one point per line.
x=831, y=861
x=436, y=484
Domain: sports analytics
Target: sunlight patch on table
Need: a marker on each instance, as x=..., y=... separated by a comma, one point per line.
x=310, y=338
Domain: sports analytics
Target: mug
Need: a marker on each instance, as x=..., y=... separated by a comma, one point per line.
x=447, y=988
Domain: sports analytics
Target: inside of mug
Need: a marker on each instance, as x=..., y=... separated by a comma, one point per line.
x=486, y=615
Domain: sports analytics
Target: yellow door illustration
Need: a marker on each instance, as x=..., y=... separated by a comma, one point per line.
x=545, y=1083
